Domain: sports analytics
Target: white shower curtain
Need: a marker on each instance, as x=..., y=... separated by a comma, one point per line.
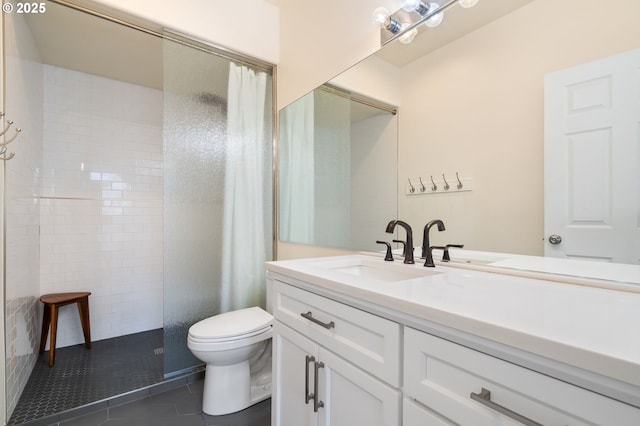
x=244, y=241
x=297, y=172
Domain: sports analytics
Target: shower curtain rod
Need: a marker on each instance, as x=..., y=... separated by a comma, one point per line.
x=176, y=37
x=361, y=99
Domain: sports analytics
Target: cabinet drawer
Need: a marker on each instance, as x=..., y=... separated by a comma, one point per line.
x=416, y=415
x=368, y=341
x=443, y=375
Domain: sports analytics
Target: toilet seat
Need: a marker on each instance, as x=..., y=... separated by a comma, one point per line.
x=231, y=326
x=228, y=339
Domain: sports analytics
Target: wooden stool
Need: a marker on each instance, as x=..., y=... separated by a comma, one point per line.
x=50, y=317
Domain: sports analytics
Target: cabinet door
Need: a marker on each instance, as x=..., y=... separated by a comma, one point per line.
x=290, y=352
x=354, y=397
x=414, y=414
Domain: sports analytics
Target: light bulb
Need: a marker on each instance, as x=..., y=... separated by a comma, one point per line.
x=410, y=5
x=408, y=36
x=467, y=3
x=436, y=19
x=380, y=16
x=415, y=5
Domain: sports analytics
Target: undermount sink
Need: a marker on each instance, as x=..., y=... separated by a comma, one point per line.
x=376, y=268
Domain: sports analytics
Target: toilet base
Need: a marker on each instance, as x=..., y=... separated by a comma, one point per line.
x=227, y=389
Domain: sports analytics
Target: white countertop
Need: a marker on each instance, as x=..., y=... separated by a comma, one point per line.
x=595, y=329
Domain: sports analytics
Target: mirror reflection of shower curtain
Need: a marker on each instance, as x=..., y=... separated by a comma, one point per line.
x=244, y=240
x=297, y=175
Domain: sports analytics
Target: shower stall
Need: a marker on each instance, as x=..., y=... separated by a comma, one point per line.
x=142, y=173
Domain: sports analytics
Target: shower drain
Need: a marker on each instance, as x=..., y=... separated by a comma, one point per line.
x=158, y=351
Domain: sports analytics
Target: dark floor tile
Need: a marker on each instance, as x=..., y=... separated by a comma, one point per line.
x=93, y=419
x=143, y=409
x=256, y=415
x=82, y=376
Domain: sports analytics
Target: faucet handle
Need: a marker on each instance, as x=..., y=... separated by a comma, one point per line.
x=445, y=253
x=404, y=246
x=389, y=256
x=445, y=256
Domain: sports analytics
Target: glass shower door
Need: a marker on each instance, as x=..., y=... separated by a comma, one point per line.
x=196, y=170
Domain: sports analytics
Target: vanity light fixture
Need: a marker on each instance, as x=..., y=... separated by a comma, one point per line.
x=417, y=5
x=436, y=19
x=424, y=9
x=407, y=36
x=382, y=17
x=403, y=23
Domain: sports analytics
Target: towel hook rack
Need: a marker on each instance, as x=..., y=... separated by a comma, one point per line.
x=6, y=129
x=15, y=135
x=434, y=187
x=3, y=157
x=446, y=184
x=412, y=188
x=459, y=185
x=422, y=187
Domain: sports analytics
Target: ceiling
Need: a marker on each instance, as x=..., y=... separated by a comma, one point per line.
x=79, y=41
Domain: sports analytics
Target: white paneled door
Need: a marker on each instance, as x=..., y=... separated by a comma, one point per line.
x=591, y=159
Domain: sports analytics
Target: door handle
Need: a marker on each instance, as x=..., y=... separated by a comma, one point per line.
x=316, y=403
x=309, y=316
x=308, y=396
x=484, y=398
x=555, y=239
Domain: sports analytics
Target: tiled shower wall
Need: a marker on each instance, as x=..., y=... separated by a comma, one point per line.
x=101, y=205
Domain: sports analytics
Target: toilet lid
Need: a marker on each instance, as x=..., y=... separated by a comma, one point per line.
x=231, y=324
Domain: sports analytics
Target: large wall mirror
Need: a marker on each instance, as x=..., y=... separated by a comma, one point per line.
x=471, y=98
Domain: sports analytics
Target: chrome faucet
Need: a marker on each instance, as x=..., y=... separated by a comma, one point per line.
x=426, y=251
x=408, y=256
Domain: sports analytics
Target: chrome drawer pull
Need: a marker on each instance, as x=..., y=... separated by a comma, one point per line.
x=309, y=316
x=307, y=396
x=484, y=398
x=316, y=404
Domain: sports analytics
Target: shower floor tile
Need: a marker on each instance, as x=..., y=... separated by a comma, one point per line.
x=81, y=376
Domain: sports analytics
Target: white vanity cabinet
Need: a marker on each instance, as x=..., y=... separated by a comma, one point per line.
x=444, y=375
x=313, y=383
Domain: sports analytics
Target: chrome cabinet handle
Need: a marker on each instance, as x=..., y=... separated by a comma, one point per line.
x=310, y=317
x=484, y=398
x=307, y=396
x=316, y=403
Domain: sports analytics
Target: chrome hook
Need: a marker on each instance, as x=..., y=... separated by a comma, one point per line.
x=422, y=187
x=434, y=187
x=412, y=189
x=446, y=184
x=3, y=157
x=459, y=185
x=7, y=142
x=6, y=128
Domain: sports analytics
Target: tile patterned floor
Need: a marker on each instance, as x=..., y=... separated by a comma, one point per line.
x=81, y=376
x=119, y=382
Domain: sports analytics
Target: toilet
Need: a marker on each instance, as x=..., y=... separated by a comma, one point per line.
x=236, y=346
